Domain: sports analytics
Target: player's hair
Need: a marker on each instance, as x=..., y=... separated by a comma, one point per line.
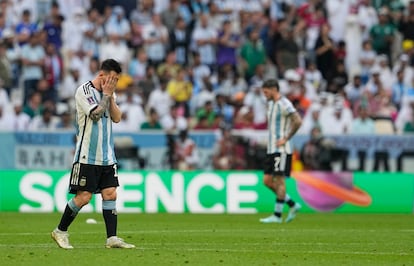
x=111, y=65
x=270, y=84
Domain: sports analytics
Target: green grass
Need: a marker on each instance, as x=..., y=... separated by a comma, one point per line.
x=190, y=239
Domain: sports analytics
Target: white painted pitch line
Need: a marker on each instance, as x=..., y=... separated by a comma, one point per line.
x=173, y=231
x=227, y=250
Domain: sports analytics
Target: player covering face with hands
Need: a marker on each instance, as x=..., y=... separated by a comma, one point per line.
x=283, y=121
x=94, y=167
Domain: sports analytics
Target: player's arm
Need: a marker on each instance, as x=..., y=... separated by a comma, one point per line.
x=295, y=123
x=114, y=111
x=100, y=109
x=108, y=88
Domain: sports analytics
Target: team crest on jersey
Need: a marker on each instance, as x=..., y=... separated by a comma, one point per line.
x=91, y=100
x=82, y=182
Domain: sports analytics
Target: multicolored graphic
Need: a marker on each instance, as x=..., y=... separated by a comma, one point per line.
x=326, y=191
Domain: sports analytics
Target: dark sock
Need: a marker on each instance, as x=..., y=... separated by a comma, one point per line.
x=68, y=216
x=279, y=207
x=290, y=203
x=111, y=222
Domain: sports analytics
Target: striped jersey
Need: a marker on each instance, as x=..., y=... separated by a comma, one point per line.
x=94, y=140
x=278, y=124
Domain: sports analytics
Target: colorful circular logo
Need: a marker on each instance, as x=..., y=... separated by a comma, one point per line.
x=326, y=191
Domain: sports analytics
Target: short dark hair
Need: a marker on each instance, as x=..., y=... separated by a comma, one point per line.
x=111, y=65
x=271, y=83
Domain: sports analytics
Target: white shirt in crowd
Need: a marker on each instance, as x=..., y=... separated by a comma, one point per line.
x=155, y=50
x=161, y=101
x=206, y=51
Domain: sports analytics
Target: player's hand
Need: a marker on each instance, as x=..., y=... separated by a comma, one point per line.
x=281, y=142
x=109, y=85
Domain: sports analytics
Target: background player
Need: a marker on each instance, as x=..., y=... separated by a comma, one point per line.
x=282, y=123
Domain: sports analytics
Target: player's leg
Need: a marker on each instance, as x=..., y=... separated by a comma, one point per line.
x=269, y=182
x=109, y=210
x=280, y=189
x=294, y=207
x=81, y=184
x=108, y=185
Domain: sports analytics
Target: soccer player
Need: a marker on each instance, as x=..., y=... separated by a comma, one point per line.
x=94, y=167
x=282, y=123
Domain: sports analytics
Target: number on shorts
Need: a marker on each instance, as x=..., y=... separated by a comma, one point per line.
x=115, y=170
x=277, y=164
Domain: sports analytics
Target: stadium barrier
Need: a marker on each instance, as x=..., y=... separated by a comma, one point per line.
x=54, y=151
x=214, y=192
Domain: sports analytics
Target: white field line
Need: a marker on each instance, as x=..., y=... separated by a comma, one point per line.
x=144, y=247
x=173, y=231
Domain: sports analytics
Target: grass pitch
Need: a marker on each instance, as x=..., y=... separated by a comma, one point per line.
x=192, y=239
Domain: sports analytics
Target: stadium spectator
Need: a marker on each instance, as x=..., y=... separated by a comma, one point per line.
x=133, y=114
x=409, y=125
x=313, y=76
x=255, y=100
x=21, y=119
x=25, y=28
x=204, y=40
x=287, y=50
x=93, y=33
x=73, y=29
x=229, y=153
x=171, y=14
x=228, y=43
x=118, y=25
x=34, y=105
x=399, y=89
x=65, y=121
x=382, y=33
x=185, y=152
x=386, y=75
x=13, y=53
x=53, y=30
x=232, y=82
x=6, y=119
x=33, y=59
x=367, y=17
x=252, y=53
x=325, y=53
x=206, y=114
x=311, y=119
x=367, y=58
x=169, y=68
x=224, y=108
x=200, y=73
x=317, y=152
x=44, y=121
x=53, y=68
x=353, y=90
x=155, y=36
x=152, y=122
x=180, y=40
x=362, y=124
x=115, y=48
x=6, y=74
x=70, y=82
x=138, y=64
x=181, y=91
x=173, y=122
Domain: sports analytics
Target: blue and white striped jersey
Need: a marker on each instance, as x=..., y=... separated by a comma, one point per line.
x=94, y=144
x=278, y=124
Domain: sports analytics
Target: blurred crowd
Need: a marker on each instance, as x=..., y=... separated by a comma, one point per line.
x=347, y=65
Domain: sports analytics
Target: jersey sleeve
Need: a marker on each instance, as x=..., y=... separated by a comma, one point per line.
x=288, y=107
x=85, y=100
